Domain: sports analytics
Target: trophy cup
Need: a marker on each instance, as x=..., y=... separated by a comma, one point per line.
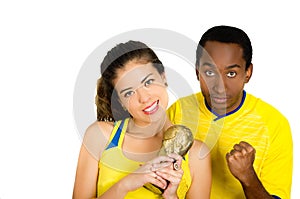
x=177, y=139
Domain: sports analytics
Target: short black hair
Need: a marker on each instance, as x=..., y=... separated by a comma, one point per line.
x=226, y=34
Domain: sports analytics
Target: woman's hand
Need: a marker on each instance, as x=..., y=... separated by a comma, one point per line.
x=147, y=173
x=173, y=174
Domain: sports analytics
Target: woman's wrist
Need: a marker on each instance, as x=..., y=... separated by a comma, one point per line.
x=121, y=187
x=171, y=196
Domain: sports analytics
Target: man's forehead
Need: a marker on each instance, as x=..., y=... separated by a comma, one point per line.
x=206, y=59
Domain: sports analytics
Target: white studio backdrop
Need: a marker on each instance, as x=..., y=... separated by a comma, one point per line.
x=43, y=46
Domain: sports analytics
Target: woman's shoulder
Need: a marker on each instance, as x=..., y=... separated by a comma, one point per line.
x=199, y=150
x=99, y=128
x=97, y=136
x=199, y=159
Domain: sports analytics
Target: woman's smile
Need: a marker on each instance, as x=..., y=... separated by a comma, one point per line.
x=152, y=108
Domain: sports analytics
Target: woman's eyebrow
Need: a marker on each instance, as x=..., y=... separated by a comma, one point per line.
x=143, y=80
x=146, y=77
x=122, y=91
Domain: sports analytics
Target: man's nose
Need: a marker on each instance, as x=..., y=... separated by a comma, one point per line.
x=219, y=85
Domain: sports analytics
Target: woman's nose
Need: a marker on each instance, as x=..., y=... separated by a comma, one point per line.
x=143, y=95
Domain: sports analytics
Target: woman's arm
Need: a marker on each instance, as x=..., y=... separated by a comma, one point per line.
x=86, y=176
x=95, y=139
x=200, y=167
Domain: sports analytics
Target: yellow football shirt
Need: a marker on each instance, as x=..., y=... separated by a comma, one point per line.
x=255, y=122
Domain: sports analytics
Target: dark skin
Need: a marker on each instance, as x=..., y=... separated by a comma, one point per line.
x=240, y=163
x=222, y=74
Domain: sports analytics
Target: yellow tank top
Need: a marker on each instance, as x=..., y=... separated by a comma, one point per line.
x=113, y=166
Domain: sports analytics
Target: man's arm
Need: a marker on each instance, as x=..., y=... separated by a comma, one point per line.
x=240, y=163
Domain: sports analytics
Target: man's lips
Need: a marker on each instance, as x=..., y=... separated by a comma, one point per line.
x=219, y=100
x=152, y=108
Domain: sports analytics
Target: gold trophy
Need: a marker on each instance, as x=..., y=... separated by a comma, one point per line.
x=177, y=139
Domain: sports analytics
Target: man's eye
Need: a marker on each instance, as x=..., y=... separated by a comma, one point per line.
x=129, y=93
x=209, y=73
x=231, y=74
x=148, y=82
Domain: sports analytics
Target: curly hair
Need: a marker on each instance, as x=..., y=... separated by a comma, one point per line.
x=107, y=100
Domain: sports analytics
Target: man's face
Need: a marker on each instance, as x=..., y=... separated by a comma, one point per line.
x=222, y=74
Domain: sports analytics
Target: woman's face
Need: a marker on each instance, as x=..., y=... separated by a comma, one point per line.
x=142, y=91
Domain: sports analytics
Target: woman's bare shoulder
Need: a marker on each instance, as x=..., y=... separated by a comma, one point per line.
x=199, y=150
x=99, y=128
x=96, y=137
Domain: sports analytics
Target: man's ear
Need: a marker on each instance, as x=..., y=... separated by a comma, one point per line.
x=197, y=73
x=249, y=73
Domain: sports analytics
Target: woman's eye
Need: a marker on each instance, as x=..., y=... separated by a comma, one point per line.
x=129, y=93
x=148, y=82
x=209, y=73
x=231, y=74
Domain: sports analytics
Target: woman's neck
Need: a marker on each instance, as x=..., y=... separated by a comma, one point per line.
x=149, y=130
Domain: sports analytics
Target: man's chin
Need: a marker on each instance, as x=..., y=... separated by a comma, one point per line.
x=219, y=108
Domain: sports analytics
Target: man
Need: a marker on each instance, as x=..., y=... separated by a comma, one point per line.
x=250, y=141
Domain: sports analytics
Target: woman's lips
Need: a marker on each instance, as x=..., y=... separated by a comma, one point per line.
x=152, y=108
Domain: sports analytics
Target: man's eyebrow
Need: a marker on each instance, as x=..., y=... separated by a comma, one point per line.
x=227, y=67
x=208, y=64
x=143, y=80
x=233, y=66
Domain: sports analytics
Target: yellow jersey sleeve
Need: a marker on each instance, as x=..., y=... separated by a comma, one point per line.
x=276, y=173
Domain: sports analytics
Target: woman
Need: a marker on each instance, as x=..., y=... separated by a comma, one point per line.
x=118, y=157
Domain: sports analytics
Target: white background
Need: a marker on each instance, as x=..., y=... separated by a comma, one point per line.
x=44, y=44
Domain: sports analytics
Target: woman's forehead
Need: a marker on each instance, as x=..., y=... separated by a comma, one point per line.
x=134, y=73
